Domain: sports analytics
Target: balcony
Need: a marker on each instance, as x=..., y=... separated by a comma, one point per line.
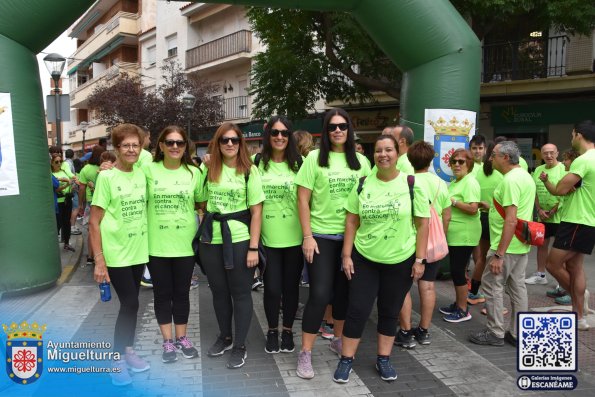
x=537, y=58
x=123, y=25
x=236, y=108
x=79, y=95
x=234, y=44
x=94, y=131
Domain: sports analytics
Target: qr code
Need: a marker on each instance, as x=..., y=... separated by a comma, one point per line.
x=547, y=342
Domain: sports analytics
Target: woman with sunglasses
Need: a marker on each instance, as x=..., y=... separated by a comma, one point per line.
x=118, y=229
x=281, y=234
x=229, y=236
x=324, y=182
x=463, y=232
x=172, y=187
x=64, y=192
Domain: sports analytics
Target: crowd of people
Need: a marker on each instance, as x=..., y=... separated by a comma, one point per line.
x=360, y=234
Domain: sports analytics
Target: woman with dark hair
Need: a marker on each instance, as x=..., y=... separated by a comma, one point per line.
x=64, y=199
x=172, y=188
x=118, y=233
x=324, y=182
x=87, y=178
x=464, y=230
x=488, y=178
x=281, y=235
x=229, y=236
x=383, y=252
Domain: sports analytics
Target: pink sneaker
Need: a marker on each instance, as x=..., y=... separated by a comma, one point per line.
x=304, y=366
x=120, y=375
x=135, y=363
x=336, y=346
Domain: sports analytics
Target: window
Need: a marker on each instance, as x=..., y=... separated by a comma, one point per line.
x=151, y=55
x=172, y=45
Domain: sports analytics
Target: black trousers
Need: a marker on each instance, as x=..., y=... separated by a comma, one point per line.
x=282, y=281
x=231, y=288
x=371, y=280
x=171, y=288
x=126, y=283
x=459, y=258
x=328, y=284
x=63, y=219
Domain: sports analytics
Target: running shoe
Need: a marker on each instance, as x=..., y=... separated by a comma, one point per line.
x=405, y=339
x=343, y=370
x=385, y=369
x=474, y=299
x=563, y=300
x=485, y=337
x=304, y=365
x=237, y=359
x=556, y=292
x=536, y=278
x=272, y=345
x=169, y=352
x=448, y=309
x=287, y=345
x=327, y=332
x=422, y=336
x=120, y=375
x=146, y=282
x=186, y=347
x=256, y=283
x=458, y=316
x=221, y=345
x=135, y=363
x=336, y=346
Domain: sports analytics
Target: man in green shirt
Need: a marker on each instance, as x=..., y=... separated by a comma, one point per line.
x=477, y=146
x=404, y=137
x=547, y=206
x=507, y=257
x=575, y=237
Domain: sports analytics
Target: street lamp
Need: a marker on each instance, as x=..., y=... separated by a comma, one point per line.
x=189, y=101
x=55, y=65
x=84, y=126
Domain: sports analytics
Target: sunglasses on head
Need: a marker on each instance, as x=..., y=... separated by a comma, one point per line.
x=332, y=127
x=284, y=133
x=234, y=140
x=172, y=142
x=459, y=161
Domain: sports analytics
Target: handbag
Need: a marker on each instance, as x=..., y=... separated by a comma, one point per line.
x=528, y=232
x=437, y=247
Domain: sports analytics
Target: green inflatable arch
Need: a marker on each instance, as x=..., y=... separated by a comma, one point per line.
x=427, y=39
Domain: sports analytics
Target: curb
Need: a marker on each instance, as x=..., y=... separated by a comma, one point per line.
x=68, y=269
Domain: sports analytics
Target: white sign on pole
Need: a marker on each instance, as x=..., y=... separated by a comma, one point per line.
x=9, y=181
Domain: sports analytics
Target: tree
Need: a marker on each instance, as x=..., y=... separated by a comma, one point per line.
x=311, y=55
x=126, y=101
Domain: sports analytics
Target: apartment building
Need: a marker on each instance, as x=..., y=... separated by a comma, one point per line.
x=107, y=45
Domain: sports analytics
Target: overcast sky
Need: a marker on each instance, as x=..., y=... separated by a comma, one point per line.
x=64, y=46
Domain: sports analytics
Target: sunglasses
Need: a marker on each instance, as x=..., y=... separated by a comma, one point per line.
x=284, y=133
x=332, y=127
x=57, y=162
x=171, y=143
x=459, y=162
x=224, y=141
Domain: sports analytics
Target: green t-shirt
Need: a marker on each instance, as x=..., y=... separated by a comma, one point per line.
x=330, y=187
x=89, y=174
x=144, y=158
x=547, y=201
x=63, y=174
x=386, y=233
x=435, y=189
x=123, y=228
x=404, y=165
x=280, y=220
x=229, y=195
x=580, y=205
x=171, y=218
x=523, y=164
x=476, y=168
x=487, y=184
x=518, y=189
x=464, y=229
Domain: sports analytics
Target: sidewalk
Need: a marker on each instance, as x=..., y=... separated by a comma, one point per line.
x=450, y=366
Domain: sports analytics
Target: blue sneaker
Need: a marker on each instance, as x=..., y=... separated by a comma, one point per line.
x=343, y=370
x=449, y=309
x=385, y=369
x=458, y=316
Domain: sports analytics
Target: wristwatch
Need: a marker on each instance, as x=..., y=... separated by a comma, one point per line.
x=497, y=255
x=421, y=261
x=454, y=203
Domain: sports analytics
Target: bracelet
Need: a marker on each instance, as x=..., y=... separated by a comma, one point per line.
x=308, y=236
x=98, y=255
x=253, y=249
x=454, y=203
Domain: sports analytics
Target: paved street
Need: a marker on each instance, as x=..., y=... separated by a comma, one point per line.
x=450, y=366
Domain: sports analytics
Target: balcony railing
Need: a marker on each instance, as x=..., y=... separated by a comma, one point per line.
x=536, y=58
x=235, y=108
x=81, y=92
x=232, y=44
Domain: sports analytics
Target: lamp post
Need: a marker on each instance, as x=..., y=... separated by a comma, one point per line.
x=189, y=101
x=84, y=126
x=55, y=65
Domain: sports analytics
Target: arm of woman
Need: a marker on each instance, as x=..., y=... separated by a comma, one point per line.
x=255, y=223
x=467, y=208
x=309, y=245
x=100, y=274
x=446, y=214
x=421, y=243
x=351, y=226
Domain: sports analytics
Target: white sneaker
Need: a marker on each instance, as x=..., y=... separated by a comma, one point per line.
x=536, y=278
x=75, y=231
x=582, y=324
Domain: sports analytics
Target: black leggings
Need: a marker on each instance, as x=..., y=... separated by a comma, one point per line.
x=282, y=281
x=126, y=282
x=63, y=219
x=328, y=284
x=231, y=289
x=371, y=280
x=459, y=258
x=171, y=288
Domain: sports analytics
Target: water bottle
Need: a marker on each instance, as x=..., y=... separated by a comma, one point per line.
x=105, y=292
